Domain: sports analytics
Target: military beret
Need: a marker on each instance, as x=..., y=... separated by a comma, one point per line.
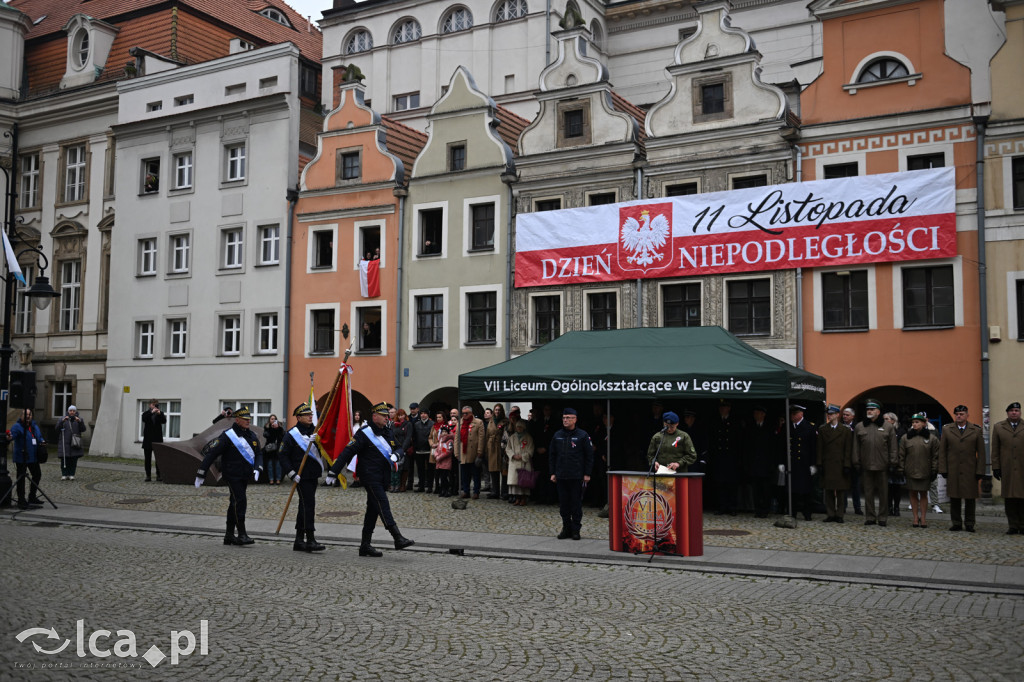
x=959, y=408
x=670, y=418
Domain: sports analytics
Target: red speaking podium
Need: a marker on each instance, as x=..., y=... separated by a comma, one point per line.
x=656, y=513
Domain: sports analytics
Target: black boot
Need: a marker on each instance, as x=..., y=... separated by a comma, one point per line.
x=401, y=542
x=365, y=549
x=299, y=545
x=243, y=537
x=229, y=536
x=311, y=544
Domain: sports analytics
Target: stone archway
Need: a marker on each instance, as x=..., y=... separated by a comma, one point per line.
x=904, y=401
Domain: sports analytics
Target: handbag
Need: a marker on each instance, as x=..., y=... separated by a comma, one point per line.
x=41, y=453
x=270, y=448
x=76, y=441
x=527, y=478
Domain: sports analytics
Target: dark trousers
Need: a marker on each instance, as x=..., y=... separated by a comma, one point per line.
x=835, y=503
x=305, y=518
x=147, y=450
x=764, y=489
x=470, y=472
x=855, y=491
x=431, y=477
x=876, y=486
x=35, y=474
x=570, y=503
x=803, y=503
x=420, y=460
x=954, y=511
x=376, y=505
x=1014, y=513
x=726, y=495
x=237, y=503
x=444, y=482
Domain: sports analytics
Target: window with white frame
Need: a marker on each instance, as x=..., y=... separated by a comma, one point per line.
x=147, y=256
x=80, y=46
x=266, y=330
x=181, y=246
x=844, y=300
x=459, y=19
x=150, y=176
x=74, y=172
x=368, y=320
x=369, y=240
x=409, y=100
x=431, y=224
x=275, y=14
x=29, y=189
x=681, y=305
x=177, y=335
x=750, y=307
x=321, y=331
x=928, y=299
x=323, y=249
x=509, y=10
x=429, y=320
x=1019, y=305
x=231, y=248
x=359, y=41
x=62, y=398
x=349, y=165
x=482, y=217
x=260, y=409
x=604, y=310
x=24, y=311
x=1017, y=180
x=407, y=32
x=230, y=335
x=270, y=244
x=145, y=336
x=171, y=409
x=235, y=159
x=70, y=295
x=482, y=317
x=547, y=318
x=183, y=170
x=882, y=69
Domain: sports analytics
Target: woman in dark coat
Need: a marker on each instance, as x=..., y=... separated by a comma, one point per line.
x=27, y=438
x=919, y=461
x=273, y=436
x=68, y=427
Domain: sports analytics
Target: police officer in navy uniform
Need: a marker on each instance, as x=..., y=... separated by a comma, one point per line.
x=241, y=459
x=377, y=452
x=299, y=442
x=571, y=457
x=803, y=455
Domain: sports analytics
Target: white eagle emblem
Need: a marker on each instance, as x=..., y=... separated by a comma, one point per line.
x=645, y=240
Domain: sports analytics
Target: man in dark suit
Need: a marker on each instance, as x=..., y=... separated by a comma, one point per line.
x=802, y=454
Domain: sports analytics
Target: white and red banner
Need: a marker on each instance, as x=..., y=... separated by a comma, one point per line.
x=864, y=219
x=369, y=278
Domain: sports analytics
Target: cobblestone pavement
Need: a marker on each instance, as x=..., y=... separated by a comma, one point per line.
x=277, y=614
x=120, y=489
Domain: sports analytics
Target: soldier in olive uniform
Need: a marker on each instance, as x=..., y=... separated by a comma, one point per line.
x=241, y=459
x=802, y=455
x=299, y=444
x=377, y=456
x=671, y=447
x=835, y=459
x=962, y=464
x=874, y=455
x=1008, y=463
x=919, y=462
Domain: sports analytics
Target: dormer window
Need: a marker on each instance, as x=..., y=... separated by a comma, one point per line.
x=275, y=15
x=88, y=46
x=81, y=48
x=883, y=69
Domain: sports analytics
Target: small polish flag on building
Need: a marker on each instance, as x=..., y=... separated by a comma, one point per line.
x=369, y=278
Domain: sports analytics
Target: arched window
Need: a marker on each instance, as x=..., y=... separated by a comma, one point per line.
x=882, y=69
x=597, y=33
x=359, y=41
x=510, y=9
x=275, y=15
x=407, y=31
x=459, y=19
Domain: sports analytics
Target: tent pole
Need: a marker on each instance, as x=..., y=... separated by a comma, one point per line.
x=608, y=430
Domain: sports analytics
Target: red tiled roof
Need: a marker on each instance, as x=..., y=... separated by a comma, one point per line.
x=404, y=142
x=510, y=126
x=625, y=106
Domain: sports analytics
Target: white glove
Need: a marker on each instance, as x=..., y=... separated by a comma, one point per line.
x=814, y=470
x=256, y=475
x=331, y=479
x=296, y=478
x=782, y=468
x=199, y=481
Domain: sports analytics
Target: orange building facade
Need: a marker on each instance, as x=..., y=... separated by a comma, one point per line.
x=889, y=99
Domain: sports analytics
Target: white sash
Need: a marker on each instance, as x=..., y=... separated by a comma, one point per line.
x=303, y=442
x=382, y=445
x=243, y=446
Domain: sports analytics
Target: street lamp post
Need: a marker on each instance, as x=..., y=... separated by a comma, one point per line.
x=41, y=293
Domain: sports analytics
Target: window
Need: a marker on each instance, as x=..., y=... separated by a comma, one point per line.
x=547, y=318
x=483, y=226
x=154, y=106
x=359, y=41
x=1020, y=309
x=275, y=15
x=230, y=335
x=323, y=248
x=270, y=244
x=171, y=409
x=150, y=176
x=430, y=320
x=268, y=82
x=844, y=300
x=144, y=338
x=260, y=409
x=408, y=101
x=573, y=124
x=235, y=162
x=603, y=310
x=407, y=31
x=369, y=236
x=750, y=312
x=482, y=314
x=70, y=295
x=925, y=161
x=510, y=9
x=431, y=223
x=147, y=257
x=24, y=313
x=369, y=321
x=681, y=190
x=74, y=173
x=548, y=205
x=349, y=165
x=928, y=296
x=1017, y=166
x=323, y=332
x=184, y=100
x=180, y=248
x=457, y=156
x=62, y=398
x=840, y=170
x=266, y=328
x=307, y=81
x=183, y=171
x=177, y=331
x=231, y=247
x=601, y=198
x=81, y=55
x=459, y=19
x=712, y=98
x=681, y=306
x=684, y=33
x=882, y=69
x=29, y=194
x=750, y=181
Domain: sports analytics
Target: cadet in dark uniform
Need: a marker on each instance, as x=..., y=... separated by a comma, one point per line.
x=571, y=457
x=376, y=449
x=803, y=455
x=299, y=441
x=241, y=459
x=761, y=453
x=725, y=439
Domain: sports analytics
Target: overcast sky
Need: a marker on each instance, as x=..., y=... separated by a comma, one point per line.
x=310, y=8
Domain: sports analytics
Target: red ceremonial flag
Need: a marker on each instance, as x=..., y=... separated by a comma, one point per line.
x=335, y=429
x=369, y=278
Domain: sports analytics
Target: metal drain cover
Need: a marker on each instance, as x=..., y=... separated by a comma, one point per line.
x=135, y=500
x=727, y=532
